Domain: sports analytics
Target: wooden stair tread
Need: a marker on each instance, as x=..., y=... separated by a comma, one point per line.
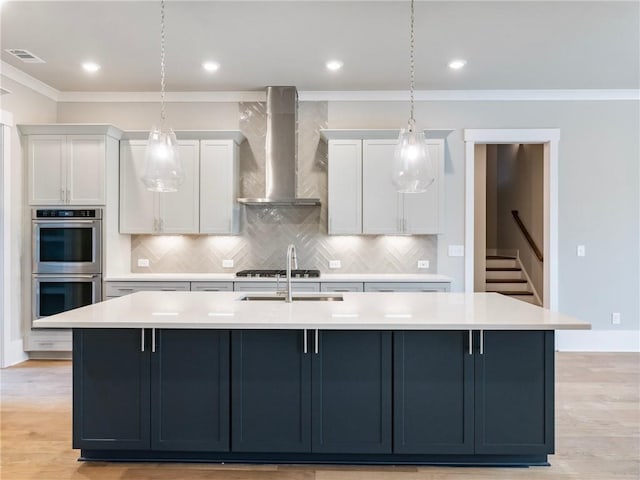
x=506, y=280
x=503, y=269
x=515, y=293
x=500, y=257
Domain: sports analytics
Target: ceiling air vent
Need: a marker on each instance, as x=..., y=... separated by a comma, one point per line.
x=25, y=55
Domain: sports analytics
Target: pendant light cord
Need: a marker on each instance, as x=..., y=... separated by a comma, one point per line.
x=162, y=112
x=412, y=40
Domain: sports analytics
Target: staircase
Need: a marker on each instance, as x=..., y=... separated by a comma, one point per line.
x=504, y=275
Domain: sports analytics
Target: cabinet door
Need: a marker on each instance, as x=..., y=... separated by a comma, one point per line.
x=219, y=187
x=423, y=212
x=341, y=287
x=271, y=391
x=381, y=203
x=47, y=169
x=514, y=385
x=190, y=391
x=138, y=208
x=86, y=156
x=433, y=393
x=110, y=390
x=345, y=187
x=179, y=211
x=352, y=392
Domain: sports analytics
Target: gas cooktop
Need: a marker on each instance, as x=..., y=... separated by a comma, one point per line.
x=278, y=273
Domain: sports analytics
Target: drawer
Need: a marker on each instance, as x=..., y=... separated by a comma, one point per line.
x=118, y=289
x=342, y=287
x=406, y=287
x=212, y=286
x=271, y=286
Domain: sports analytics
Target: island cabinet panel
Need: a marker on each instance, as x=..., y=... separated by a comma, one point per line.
x=433, y=393
x=110, y=390
x=150, y=391
x=190, y=390
x=271, y=391
x=351, y=393
x=514, y=390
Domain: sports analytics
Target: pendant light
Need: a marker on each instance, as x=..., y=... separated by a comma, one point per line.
x=413, y=168
x=162, y=168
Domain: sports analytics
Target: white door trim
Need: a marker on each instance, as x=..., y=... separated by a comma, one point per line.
x=549, y=137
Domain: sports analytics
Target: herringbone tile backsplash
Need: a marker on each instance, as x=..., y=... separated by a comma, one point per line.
x=266, y=231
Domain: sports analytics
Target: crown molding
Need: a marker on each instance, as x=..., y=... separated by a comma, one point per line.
x=154, y=97
x=473, y=95
x=28, y=81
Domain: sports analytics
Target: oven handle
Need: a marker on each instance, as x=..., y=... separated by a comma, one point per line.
x=64, y=220
x=65, y=276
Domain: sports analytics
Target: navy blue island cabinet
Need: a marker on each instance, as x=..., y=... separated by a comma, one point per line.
x=140, y=390
x=329, y=396
x=297, y=393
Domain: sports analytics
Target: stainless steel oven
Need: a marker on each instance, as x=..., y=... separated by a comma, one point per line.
x=53, y=294
x=67, y=240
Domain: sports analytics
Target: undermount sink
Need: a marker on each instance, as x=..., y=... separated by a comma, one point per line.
x=318, y=297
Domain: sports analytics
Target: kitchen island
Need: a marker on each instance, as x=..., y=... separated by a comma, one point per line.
x=389, y=378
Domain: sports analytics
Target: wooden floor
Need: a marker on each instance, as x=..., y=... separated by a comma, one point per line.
x=597, y=433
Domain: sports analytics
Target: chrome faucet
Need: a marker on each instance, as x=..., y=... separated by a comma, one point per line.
x=291, y=258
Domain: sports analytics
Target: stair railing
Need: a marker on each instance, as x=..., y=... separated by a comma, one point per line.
x=526, y=234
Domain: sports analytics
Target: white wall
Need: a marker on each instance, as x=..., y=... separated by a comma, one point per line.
x=25, y=106
x=598, y=189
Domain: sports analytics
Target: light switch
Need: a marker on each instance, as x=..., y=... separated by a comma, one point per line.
x=580, y=251
x=456, y=250
x=423, y=263
x=335, y=264
x=227, y=263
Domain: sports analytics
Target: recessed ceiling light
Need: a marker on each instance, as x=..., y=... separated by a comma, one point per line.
x=211, y=66
x=334, y=65
x=90, y=67
x=457, y=64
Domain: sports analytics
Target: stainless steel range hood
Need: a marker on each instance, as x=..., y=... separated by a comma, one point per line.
x=281, y=166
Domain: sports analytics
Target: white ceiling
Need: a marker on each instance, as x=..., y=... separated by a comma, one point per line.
x=508, y=45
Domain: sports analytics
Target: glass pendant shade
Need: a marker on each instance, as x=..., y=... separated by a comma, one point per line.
x=413, y=167
x=162, y=168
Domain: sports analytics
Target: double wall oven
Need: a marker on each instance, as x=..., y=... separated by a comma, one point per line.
x=66, y=259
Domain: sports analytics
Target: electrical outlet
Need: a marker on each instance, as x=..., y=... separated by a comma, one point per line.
x=456, y=250
x=423, y=263
x=580, y=251
x=143, y=262
x=227, y=263
x=615, y=318
x=335, y=264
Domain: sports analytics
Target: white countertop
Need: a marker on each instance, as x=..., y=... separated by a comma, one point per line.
x=231, y=277
x=358, y=311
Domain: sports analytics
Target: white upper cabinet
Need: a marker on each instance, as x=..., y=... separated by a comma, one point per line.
x=179, y=212
x=204, y=203
x=381, y=203
x=66, y=169
x=219, y=177
x=142, y=211
x=362, y=196
x=138, y=206
x=345, y=187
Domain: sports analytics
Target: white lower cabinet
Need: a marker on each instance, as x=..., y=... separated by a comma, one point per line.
x=341, y=287
x=212, y=286
x=119, y=289
x=274, y=286
x=362, y=198
x=142, y=211
x=406, y=287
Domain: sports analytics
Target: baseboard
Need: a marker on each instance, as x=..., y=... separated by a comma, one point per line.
x=13, y=353
x=598, y=341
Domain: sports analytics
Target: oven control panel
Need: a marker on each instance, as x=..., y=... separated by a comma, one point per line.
x=67, y=213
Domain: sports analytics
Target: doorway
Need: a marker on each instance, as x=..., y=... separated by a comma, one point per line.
x=508, y=220
x=548, y=140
